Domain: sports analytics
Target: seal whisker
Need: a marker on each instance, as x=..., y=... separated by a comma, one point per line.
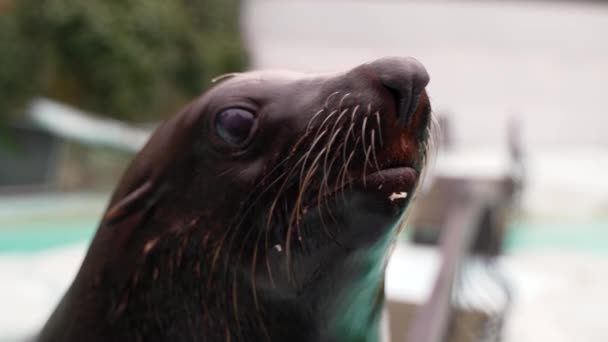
x=262, y=181
x=324, y=225
x=350, y=159
x=333, y=129
x=363, y=132
x=254, y=258
x=323, y=153
x=216, y=253
x=279, y=192
x=235, y=296
x=227, y=332
x=347, y=136
x=261, y=322
x=367, y=152
x=282, y=162
x=306, y=180
x=267, y=261
x=352, y=119
x=267, y=227
x=309, y=175
x=308, y=153
x=342, y=100
x=294, y=213
x=340, y=183
x=432, y=132
x=317, y=138
x=244, y=213
x=261, y=192
x=253, y=273
x=333, y=135
x=267, y=230
x=243, y=216
x=305, y=135
x=310, y=122
x=379, y=128
x=325, y=191
x=329, y=116
x=342, y=146
x=374, y=153
x=345, y=174
x=326, y=159
x=253, y=276
x=225, y=76
x=339, y=118
x=233, y=234
x=227, y=171
x=329, y=98
x=281, y=189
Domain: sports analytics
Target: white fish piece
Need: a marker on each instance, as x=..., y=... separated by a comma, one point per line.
x=396, y=195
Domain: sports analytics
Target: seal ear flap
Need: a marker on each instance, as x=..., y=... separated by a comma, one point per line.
x=129, y=213
x=133, y=202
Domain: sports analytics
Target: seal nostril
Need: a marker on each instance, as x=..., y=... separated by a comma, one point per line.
x=406, y=79
x=405, y=104
x=396, y=95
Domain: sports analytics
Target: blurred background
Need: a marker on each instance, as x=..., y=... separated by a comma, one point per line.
x=519, y=87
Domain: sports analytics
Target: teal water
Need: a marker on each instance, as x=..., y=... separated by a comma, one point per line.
x=589, y=236
x=32, y=223
x=35, y=237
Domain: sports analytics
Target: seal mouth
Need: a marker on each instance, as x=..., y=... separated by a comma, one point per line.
x=396, y=183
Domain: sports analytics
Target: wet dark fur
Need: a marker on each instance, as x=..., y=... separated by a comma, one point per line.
x=205, y=242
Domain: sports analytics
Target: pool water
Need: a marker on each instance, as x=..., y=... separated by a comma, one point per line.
x=590, y=236
x=33, y=223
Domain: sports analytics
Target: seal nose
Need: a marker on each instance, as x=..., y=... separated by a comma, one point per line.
x=406, y=78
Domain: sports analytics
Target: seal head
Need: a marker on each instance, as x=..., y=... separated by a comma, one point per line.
x=262, y=211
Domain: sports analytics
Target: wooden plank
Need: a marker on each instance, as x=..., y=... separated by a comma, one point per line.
x=431, y=321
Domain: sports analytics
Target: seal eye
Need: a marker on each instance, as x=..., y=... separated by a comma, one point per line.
x=235, y=125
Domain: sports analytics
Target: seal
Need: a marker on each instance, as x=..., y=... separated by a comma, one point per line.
x=263, y=211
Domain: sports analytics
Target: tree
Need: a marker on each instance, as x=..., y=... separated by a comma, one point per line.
x=129, y=59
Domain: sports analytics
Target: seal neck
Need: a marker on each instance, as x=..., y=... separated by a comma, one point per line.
x=356, y=311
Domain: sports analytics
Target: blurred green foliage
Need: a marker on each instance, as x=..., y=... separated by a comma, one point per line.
x=131, y=59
